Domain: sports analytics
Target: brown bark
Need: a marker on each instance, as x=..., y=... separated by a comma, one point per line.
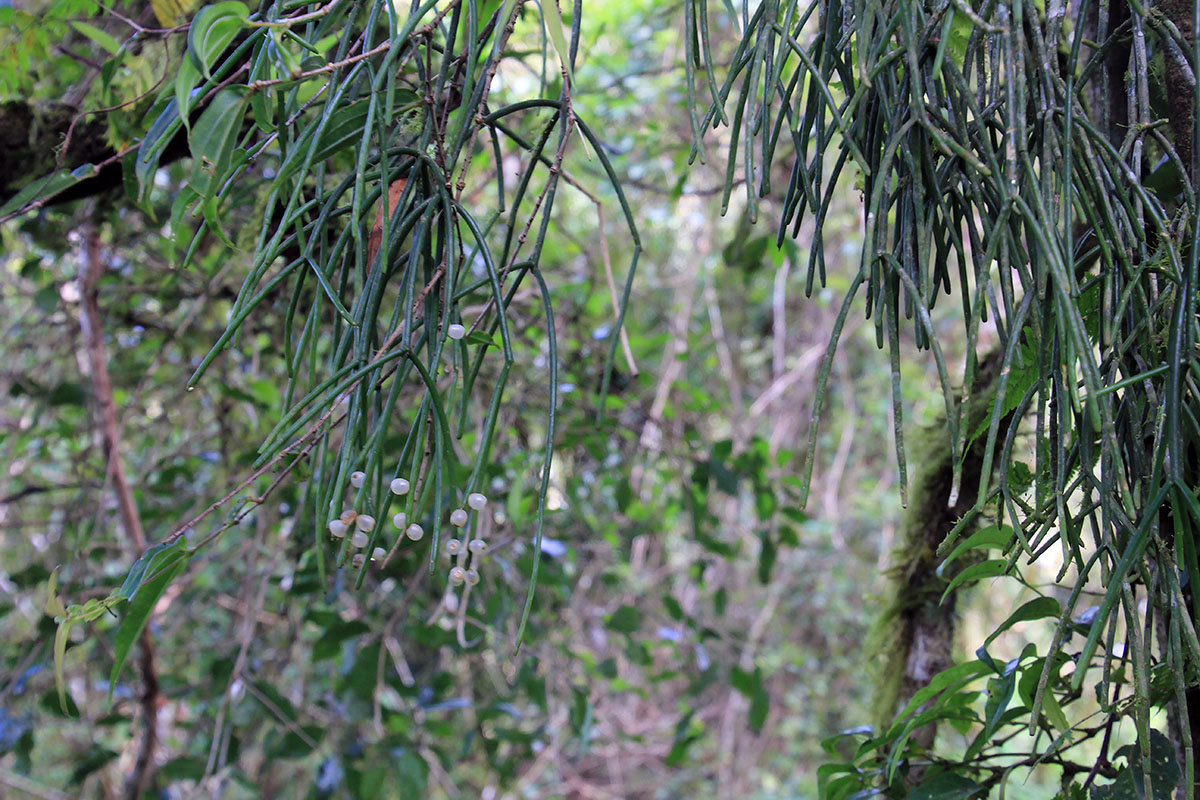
x=37, y=140
x=32, y=138
x=1178, y=85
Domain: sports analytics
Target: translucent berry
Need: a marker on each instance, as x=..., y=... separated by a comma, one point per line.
x=400, y=520
x=400, y=486
x=458, y=517
x=378, y=554
x=357, y=478
x=457, y=576
x=471, y=577
x=478, y=546
x=454, y=547
x=337, y=529
x=359, y=539
x=414, y=532
x=456, y=331
x=476, y=501
x=365, y=523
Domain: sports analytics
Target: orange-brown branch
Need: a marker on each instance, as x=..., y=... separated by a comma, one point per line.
x=91, y=268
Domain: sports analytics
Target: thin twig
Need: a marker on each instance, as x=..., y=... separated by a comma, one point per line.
x=91, y=268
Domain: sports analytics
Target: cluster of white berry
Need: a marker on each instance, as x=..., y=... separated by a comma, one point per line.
x=466, y=556
x=400, y=487
x=363, y=524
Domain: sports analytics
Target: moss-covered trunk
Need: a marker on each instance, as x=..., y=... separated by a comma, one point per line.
x=914, y=634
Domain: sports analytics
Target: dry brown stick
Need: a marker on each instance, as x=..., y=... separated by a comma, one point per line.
x=91, y=268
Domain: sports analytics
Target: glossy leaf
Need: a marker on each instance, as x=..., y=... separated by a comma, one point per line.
x=166, y=565
x=211, y=32
x=976, y=572
x=213, y=138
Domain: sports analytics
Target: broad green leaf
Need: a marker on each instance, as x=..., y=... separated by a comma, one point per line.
x=60, y=652
x=185, y=83
x=625, y=619
x=45, y=188
x=554, y=26
x=990, y=537
x=161, y=131
x=411, y=773
x=1024, y=374
x=1128, y=784
x=344, y=129
x=273, y=701
x=183, y=768
x=89, y=762
x=106, y=40
x=674, y=609
x=290, y=744
x=1038, y=608
x=157, y=554
x=367, y=784
x=54, y=604
x=1000, y=692
x=945, y=786
x=976, y=572
x=180, y=219
x=760, y=704
x=687, y=731
x=211, y=32
x=745, y=682
x=1054, y=712
x=951, y=678
x=286, y=62
x=167, y=566
x=479, y=337
x=213, y=139
x=51, y=704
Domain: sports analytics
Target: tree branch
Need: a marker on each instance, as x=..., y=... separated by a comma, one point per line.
x=91, y=268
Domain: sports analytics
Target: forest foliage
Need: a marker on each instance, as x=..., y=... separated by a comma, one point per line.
x=365, y=274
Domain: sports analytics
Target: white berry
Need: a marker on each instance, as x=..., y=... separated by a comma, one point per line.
x=476, y=501
x=378, y=553
x=457, y=576
x=456, y=331
x=359, y=539
x=400, y=520
x=400, y=486
x=471, y=577
x=348, y=516
x=357, y=561
x=357, y=478
x=478, y=546
x=337, y=529
x=365, y=523
x=414, y=532
x=454, y=547
x=458, y=517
